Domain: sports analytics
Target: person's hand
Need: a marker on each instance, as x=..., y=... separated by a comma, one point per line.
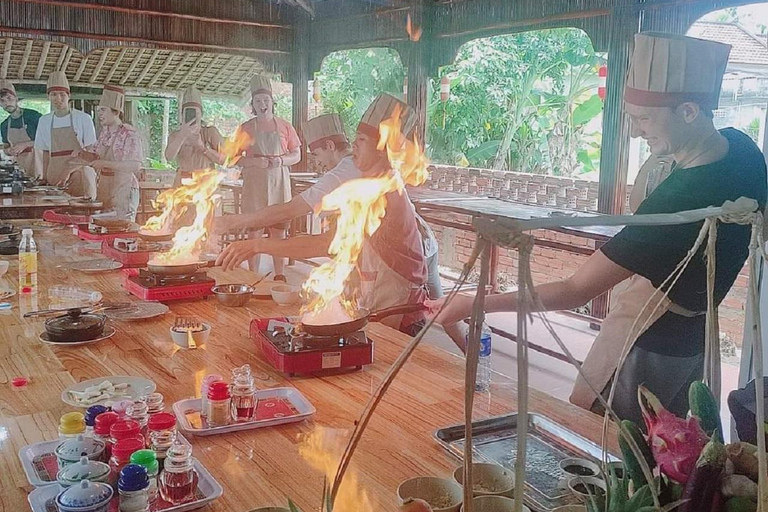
x=459, y=309
x=98, y=165
x=190, y=128
x=415, y=505
x=222, y=225
x=16, y=149
x=256, y=162
x=236, y=253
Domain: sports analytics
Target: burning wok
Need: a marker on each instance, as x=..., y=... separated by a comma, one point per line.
x=361, y=320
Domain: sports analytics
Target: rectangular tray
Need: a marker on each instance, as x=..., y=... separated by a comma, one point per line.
x=188, y=411
x=43, y=499
x=495, y=439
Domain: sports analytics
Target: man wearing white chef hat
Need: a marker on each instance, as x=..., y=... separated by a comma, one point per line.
x=17, y=132
x=672, y=88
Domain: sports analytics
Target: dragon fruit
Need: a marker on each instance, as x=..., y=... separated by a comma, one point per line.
x=676, y=443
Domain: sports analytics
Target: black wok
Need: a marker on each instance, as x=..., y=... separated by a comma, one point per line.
x=75, y=326
x=178, y=270
x=364, y=316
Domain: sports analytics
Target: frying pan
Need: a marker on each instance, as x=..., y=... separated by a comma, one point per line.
x=364, y=316
x=155, y=236
x=178, y=270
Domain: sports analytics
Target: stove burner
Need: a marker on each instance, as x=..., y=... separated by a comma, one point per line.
x=152, y=280
x=289, y=343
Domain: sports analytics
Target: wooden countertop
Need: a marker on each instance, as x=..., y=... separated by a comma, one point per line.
x=258, y=467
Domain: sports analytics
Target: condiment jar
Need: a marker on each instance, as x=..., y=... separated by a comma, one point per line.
x=204, y=386
x=120, y=406
x=126, y=429
x=178, y=481
x=86, y=469
x=159, y=442
x=90, y=417
x=139, y=412
x=155, y=403
x=71, y=450
x=71, y=424
x=121, y=456
x=243, y=405
x=86, y=496
x=161, y=421
x=218, y=404
x=101, y=426
x=148, y=459
x=133, y=488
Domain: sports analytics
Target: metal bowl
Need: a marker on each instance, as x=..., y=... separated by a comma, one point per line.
x=233, y=294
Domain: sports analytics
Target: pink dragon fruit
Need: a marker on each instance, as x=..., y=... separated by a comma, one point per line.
x=676, y=443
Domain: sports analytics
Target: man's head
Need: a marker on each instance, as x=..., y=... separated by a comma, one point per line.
x=262, y=101
x=667, y=130
x=365, y=152
x=111, y=105
x=8, y=99
x=326, y=140
x=58, y=91
x=192, y=105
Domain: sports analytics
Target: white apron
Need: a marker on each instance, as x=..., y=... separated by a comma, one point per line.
x=25, y=159
x=119, y=191
x=265, y=187
x=64, y=144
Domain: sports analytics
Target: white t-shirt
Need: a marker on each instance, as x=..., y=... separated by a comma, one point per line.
x=81, y=122
x=344, y=171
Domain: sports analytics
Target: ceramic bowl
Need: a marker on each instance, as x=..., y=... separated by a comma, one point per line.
x=200, y=337
x=494, y=504
x=86, y=496
x=442, y=494
x=285, y=294
x=585, y=486
x=86, y=469
x=72, y=449
x=488, y=479
x=579, y=467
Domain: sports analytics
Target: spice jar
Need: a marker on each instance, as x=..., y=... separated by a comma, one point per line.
x=155, y=403
x=204, y=386
x=71, y=424
x=243, y=406
x=218, y=414
x=159, y=442
x=133, y=488
x=178, y=481
x=161, y=421
x=148, y=459
x=90, y=417
x=139, y=412
x=126, y=429
x=120, y=406
x=121, y=456
x=101, y=426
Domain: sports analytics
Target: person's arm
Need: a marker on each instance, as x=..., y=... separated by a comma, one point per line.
x=294, y=148
x=176, y=140
x=125, y=166
x=32, y=119
x=215, y=141
x=269, y=216
x=39, y=163
x=89, y=130
x=42, y=144
x=4, y=130
x=299, y=247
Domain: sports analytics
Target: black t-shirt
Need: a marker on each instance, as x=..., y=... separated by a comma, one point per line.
x=28, y=117
x=654, y=251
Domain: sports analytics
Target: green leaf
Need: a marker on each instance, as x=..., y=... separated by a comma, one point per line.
x=292, y=506
x=484, y=151
x=587, y=111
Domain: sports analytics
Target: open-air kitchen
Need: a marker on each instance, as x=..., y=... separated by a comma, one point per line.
x=402, y=346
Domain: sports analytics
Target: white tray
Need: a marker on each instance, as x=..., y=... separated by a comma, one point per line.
x=191, y=407
x=42, y=498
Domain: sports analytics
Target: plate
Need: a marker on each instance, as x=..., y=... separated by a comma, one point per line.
x=5, y=293
x=138, y=311
x=108, y=333
x=139, y=386
x=99, y=265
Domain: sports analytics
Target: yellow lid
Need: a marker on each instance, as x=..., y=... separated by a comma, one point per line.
x=72, y=423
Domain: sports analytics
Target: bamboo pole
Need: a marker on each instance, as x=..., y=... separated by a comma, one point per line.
x=147, y=68
x=116, y=65
x=62, y=56
x=99, y=65
x=67, y=58
x=80, y=68
x=43, y=59
x=132, y=67
x=7, y=56
x=25, y=58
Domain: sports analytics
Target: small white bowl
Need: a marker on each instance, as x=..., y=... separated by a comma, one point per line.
x=573, y=467
x=488, y=479
x=433, y=490
x=285, y=294
x=4, y=264
x=578, y=485
x=494, y=504
x=199, y=337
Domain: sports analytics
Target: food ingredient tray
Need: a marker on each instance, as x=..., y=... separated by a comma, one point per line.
x=43, y=499
x=276, y=406
x=495, y=440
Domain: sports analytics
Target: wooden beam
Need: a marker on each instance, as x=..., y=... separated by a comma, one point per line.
x=226, y=73
x=7, y=56
x=100, y=65
x=80, y=68
x=67, y=58
x=43, y=58
x=178, y=68
x=192, y=69
x=162, y=69
x=116, y=65
x=132, y=67
x=145, y=71
x=62, y=55
x=149, y=12
x=25, y=58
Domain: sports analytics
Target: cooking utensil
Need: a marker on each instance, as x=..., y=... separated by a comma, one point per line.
x=178, y=270
x=262, y=278
x=364, y=316
x=188, y=325
x=233, y=294
x=75, y=326
x=155, y=236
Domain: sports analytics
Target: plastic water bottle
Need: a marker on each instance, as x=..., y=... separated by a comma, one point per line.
x=483, y=379
x=72, y=296
x=27, y=263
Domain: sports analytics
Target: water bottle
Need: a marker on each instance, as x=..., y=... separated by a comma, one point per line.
x=63, y=296
x=27, y=263
x=483, y=379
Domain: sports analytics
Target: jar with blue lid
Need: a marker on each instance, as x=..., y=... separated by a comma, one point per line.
x=133, y=488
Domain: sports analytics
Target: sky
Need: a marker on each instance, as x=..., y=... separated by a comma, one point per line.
x=752, y=17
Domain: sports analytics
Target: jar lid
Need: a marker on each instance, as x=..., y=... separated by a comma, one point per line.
x=124, y=429
x=85, y=495
x=124, y=448
x=72, y=423
x=146, y=458
x=161, y=421
x=121, y=405
x=92, y=412
x=218, y=391
x=86, y=469
x=133, y=478
x=104, y=422
x=74, y=448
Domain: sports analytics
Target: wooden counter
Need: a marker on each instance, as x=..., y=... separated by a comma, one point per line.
x=256, y=468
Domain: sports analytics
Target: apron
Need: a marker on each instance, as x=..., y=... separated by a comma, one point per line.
x=119, y=191
x=265, y=187
x=64, y=143
x=192, y=158
x=25, y=159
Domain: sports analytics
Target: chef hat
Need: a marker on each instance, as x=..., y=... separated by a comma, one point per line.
x=667, y=70
x=57, y=81
x=192, y=98
x=382, y=109
x=113, y=97
x=261, y=84
x=6, y=85
x=323, y=128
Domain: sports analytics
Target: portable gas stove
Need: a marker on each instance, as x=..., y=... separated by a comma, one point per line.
x=62, y=217
x=305, y=354
x=147, y=285
x=131, y=252
x=94, y=233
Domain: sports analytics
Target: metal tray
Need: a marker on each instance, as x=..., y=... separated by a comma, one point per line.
x=495, y=440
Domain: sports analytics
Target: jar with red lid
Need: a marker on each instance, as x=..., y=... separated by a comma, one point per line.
x=218, y=404
x=161, y=421
x=101, y=426
x=126, y=429
x=121, y=456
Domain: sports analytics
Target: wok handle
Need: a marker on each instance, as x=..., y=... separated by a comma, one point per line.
x=377, y=316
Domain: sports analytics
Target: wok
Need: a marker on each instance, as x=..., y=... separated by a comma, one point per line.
x=178, y=270
x=364, y=316
x=155, y=236
x=75, y=326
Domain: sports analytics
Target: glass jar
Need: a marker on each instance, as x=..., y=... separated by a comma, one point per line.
x=133, y=488
x=126, y=429
x=155, y=403
x=101, y=426
x=148, y=460
x=178, y=481
x=161, y=421
x=71, y=424
x=139, y=412
x=204, y=386
x=121, y=457
x=120, y=407
x=90, y=417
x=218, y=405
x=243, y=404
x=159, y=442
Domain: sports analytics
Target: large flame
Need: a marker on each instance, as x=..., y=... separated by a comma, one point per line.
x=322, y=449
x=360, y=204
x=235, y=145
x=413, y=30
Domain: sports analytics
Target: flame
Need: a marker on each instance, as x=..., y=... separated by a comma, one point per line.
x=414, y=32
x=360, y=204
x=322, y=449
x=235, y=145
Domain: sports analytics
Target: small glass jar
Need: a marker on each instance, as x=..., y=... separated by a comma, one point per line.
x=159, y=442
x=121, y=457
x=90, y=417
x=218, y=405
x=120, y=407
x=133, y=488
x=243, y=404
x=139, y=412
x=178, y=481
x=126, y=429
x=204, y=386
x=101, y=426
x=155, y=403
x=148, y=459
x=71, y=424
x=161, y=421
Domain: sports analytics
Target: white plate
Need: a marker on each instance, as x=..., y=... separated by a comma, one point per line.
x=139, y=386
x=40, y=498
x=108, y=333
x=138, y=311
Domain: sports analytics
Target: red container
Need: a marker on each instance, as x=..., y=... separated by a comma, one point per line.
x=101, y=429
x=121, y=455
x=161, y=421
x=125, y=429
x=218, y=391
